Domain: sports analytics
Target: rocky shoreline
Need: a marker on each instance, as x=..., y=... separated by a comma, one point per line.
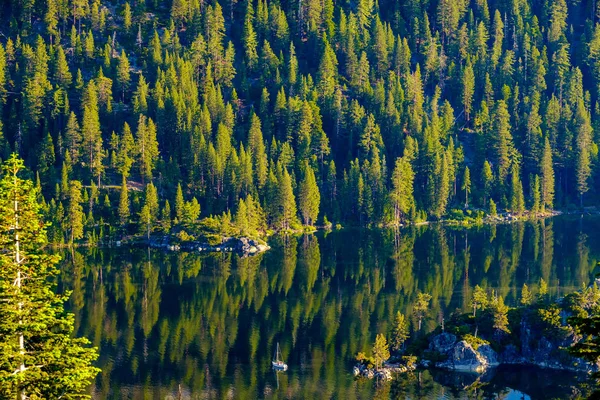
x=386, y=372
x=459, y=355
x=242, y=245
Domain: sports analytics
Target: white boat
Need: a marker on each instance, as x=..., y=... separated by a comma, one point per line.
x=277, y=362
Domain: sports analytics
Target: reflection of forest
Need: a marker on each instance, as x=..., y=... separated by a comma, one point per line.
x=209, y=322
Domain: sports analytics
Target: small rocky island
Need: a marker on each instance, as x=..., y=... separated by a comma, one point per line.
x=241, y=245
x=539, y=332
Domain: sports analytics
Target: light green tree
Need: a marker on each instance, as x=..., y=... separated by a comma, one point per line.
x=39, y=357
x=421, y=307
x=381, y=351
x=400, y=332
x=309, y=198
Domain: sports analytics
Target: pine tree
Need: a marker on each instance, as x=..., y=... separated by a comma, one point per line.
x=402, y=189
x=241, y=218
x=526, y=295
x=381, y=351
x=256, y=147
x=503, y=142
x=421, y=307
x=149, y=213
x=3, y=75
x=500, y=315
x=468, y=90
x=127, y=17
x=480, y=300
x=39, y=356
x=146, y=147
x=124, y=212
x=286, y=202
x=547, y=189
x=584, y=141
x=466, y=185
x=93, y=153
x=400, y=332
x=75, y=212
x=309, y=197
x=62, y=74
x=249, y=38
x=123, y=75
x=536, y=195
x=487, y=179
x=165, y=217
x=179, y=204
x=517, y=202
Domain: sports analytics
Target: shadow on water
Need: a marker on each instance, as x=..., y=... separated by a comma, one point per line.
x=173, y=325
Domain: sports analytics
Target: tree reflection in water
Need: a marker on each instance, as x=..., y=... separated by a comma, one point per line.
x=205, y=326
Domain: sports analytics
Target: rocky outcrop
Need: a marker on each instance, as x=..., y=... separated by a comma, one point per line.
x=461, y=356
x=386, y=372
x=489, y=355
x=458, y=355
x=243, y=245
x=442, y=343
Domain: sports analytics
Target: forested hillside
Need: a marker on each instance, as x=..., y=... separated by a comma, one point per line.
x=269, y=114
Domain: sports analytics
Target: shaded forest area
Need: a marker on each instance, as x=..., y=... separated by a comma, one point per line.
x=269, y=115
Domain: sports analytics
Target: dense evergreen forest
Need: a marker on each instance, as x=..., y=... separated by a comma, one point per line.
x=272, y=114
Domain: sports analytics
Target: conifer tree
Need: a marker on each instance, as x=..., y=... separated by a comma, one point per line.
x=503, y=144
x=286, y=202
x=381, y=351
x=123, y=75
x=487, y=178
x=124, y=212
x=179, y=204
x=421, y=307
x=309, y=197
x=149, y=213
x=480, y=300
x=256, y=146
x=466, y=185
x=249, y=38
x=400, y=332
x=468, y=84
x=526, y=295
x=93, y=151
x=39, y=357
x=517, y=202
x=500, y=315
x=75, y=214
x=402, y=189
x=547, y=182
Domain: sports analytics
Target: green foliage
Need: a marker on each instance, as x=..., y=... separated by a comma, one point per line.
x=421, y=307
x=39, y=358
x=381, y=351
x=474, y=341
x=400, y=332
x=400, y=113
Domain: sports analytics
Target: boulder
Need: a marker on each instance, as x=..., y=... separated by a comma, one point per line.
x=489, y=355
x=356, y=371
x=442, y=343
x=463, y=357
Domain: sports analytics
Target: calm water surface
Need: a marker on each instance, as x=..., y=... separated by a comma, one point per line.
x=178, y=325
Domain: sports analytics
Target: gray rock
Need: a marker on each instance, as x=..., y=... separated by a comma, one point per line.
x=356, y=371
x=510, y=355
x=489, y=355
x=463, y=357
x=443, y=342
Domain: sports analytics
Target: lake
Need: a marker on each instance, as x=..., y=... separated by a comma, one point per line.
x=182, y=325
